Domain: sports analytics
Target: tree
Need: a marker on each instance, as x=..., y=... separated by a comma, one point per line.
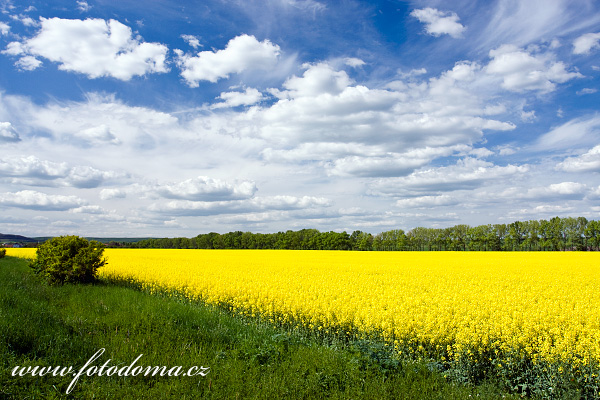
x=68, y=259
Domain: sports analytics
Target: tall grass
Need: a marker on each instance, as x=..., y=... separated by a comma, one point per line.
x=50, y=326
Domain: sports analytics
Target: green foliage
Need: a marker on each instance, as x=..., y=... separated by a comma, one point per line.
x=2, y=252
x=557, y=234
x=68, y=259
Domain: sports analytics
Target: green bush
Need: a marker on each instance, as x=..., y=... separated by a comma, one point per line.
x=2, y=252
x=68, y=259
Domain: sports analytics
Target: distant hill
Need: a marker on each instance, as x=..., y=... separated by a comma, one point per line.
x=16, y=238
x=6, y=238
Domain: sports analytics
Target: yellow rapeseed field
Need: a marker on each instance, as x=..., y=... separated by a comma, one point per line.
x=448, y=305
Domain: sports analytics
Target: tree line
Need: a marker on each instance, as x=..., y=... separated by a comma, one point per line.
x=556, y=234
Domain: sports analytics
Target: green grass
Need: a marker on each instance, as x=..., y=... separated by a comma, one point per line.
x=42, y=325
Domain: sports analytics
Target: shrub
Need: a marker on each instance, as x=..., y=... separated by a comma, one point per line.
x=2, y=252
x=68, y=259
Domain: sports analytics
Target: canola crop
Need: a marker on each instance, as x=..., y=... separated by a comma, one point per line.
x=492, y=308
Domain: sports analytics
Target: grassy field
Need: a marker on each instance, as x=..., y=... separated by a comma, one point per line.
x=50, y=326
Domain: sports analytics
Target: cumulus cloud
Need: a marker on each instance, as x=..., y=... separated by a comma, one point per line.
x=481, y=152
x=323, y=105
x=584, y=44
x=390, y=165
x=24, y=19
x=467, y=173
x=32, y=167
x=34, y=200
x=318, y=79
x=564, y=190
x=27, y=63
x=88, y=210
x=521, y=71
x=204, y=188
x=4, y=28
x=539, y=211
x=108, y=194
x=33, y=171
x=97, y=135
x=8, y=133
x=427, y=201
x=234, y=99
x=83, y=6
x=589, y=161
x=354, y=62
x=253, y=205
x=438, y=23
x=241, y=53
x=94, y=47
x=192, y=40
x=97, y=121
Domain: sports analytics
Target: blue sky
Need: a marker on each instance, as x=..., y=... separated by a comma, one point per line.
x=176, y=118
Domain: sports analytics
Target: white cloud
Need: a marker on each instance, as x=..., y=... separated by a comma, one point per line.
x=97, y=135
x=28, y=63
x=88, y=210
x=108, y=194
x=589, y=161
x=4, y=28
x=481, y=152
x=505, y=150
x=192, y=41
x=309, y=5
x=528, y=116
x=88, y=177
x=467, y=173
x=241, y=53
x=390, y=165
x=586, y=91
x=25, y=20
x=539, y=211
x=583, y=131
x=439, y=23
x=32, y=167
x=584, y=44
x=33, y=171
x=207, y=189
x=83, y=6
x=521, y=71
x=317, y=79
x=98, y=121
x=93, y=47
x=8, y=133
x=532, y=21
x=323, y=106
x=354, y=62
x=561, y=190
x=234, y=99
x=14, y=49
x=427, y=201
x=255, y=204
x=33, y=200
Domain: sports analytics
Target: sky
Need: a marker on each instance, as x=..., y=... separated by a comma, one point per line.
x=175, y=118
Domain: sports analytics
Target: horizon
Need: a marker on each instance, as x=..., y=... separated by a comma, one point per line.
x=165, y=120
